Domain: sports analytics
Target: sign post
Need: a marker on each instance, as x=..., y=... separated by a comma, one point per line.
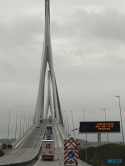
x=86, y=144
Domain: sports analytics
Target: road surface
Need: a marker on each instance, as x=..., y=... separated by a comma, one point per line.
x=28, y=149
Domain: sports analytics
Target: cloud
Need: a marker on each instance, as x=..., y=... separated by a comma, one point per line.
x=88, y=54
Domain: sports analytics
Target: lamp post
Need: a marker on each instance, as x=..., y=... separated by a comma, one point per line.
x=121, y=118
x=27, y=122
x=24, y=122
x=84, y=121
x=20, y=122
x=67, y=123
x=31, y=117
x=65, y=126
x=16, y=124
x=8, y=125
x=83, y=114
x=73, y=124
x=105, y=120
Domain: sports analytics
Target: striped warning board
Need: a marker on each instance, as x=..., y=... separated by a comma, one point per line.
x=71, y=151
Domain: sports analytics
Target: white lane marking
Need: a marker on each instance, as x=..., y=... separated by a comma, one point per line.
x=17, y=149
x=37, y=161
x=79, y=164
x=25, y=135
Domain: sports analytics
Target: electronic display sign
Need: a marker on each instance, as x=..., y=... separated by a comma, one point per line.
x=99, y=127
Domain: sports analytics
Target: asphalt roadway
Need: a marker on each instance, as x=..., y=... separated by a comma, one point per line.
x=59, y=157
x=28, y=148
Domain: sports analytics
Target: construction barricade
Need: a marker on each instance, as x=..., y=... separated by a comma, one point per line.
x=70, y=151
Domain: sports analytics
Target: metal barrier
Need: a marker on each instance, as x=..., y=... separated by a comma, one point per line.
x=22, y=137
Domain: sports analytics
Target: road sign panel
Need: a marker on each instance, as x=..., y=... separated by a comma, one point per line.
x=48, y=146
x=71, y=154
x=71, y=151
x=99, y=127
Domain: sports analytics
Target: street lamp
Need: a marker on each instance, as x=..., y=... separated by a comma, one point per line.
x=105, y=120
x=24, y=122
x=67, y=123
x=31, y=117
x=84, y=121
x=20, y=122
x=73, y=124
x=8, y=125
x=16, y=124
x=121, y=117
x=27, y=122
x=65, y=126
x=83, y=114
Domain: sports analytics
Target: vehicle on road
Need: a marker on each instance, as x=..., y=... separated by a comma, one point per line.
x=48, y=149
x=47, y=132
x=49, y=127
x=48, y=137
x=41, y=120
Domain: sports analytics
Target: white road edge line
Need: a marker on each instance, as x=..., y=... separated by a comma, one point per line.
x=37, y=162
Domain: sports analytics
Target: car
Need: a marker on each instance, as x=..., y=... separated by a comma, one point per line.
x=47, y=132
x=38, y=127
x=48, y=137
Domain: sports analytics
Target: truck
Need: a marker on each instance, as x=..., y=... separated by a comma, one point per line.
x=41, y=120
x=49, y=127
x=48, y=149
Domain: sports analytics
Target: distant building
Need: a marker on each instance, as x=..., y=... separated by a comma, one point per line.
x=0, y=146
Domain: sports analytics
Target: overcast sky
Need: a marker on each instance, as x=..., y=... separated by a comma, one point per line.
x=88, y=44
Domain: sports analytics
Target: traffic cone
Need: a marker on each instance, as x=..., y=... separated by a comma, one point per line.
x=60, y=162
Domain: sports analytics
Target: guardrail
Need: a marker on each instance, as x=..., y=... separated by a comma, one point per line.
x=32, y=161
x=61, y=131
x=22, y=137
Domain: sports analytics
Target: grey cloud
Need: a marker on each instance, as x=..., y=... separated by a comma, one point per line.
x=107, y=24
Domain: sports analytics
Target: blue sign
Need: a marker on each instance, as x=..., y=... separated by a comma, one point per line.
x=71, y=138
x=71, y=154
x=114, y=161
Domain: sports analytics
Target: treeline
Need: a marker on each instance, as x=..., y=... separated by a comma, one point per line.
x=7, y=141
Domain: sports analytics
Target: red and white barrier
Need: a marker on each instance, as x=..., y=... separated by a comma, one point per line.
x=70, y=151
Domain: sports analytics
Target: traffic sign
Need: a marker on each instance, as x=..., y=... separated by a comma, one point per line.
x=71, y=151
x=86, y=143
x=71, y=154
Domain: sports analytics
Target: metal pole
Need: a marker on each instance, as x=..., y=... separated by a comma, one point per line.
x=24, y=122
x=105, y=120
x=27, y=122
x=67, y=123
x=8, y=125
x=121, y=118
x=73, y=124
x=16, y=124
x=20, y=122
x=84, y=121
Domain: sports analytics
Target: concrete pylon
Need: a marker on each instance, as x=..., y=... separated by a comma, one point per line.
x=49, y=99
x=46, y=58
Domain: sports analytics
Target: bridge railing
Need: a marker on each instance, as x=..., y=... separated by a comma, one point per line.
x=61, y=131
x=17, y=142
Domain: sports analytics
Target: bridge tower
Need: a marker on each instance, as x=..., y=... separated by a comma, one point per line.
x=47, y=59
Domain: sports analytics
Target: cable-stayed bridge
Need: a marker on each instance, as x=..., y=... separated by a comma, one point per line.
x=27, y=148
